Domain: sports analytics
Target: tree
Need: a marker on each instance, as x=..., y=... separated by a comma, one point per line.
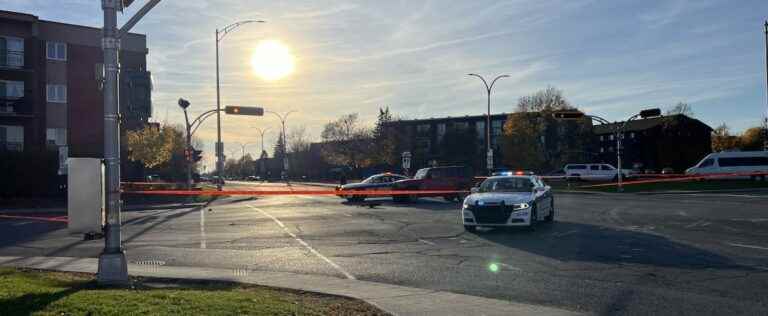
x=159, y=149
x=346, y=143
x=151, y=146
x=549, y=99
x=534, y=140
x=723, y=140
x=521, y=144
x=681, y=108
x=386, y=140
x=298, y=140
x=752, y=139
x=279, y=150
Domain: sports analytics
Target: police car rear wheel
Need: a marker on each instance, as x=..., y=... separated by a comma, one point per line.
x=470, y=229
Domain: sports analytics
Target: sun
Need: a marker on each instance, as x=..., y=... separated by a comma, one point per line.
x=272, y=60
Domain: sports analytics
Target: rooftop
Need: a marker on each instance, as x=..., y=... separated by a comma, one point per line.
x=644, y=124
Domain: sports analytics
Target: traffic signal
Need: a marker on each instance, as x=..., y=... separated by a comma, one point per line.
x=650, y=113
x=197, y=155
x=568, y=115
x=244, y=110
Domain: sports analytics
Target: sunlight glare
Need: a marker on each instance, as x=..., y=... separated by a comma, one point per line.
x=272, y=60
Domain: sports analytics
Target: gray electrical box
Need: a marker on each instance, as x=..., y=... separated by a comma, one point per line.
x=85, y=193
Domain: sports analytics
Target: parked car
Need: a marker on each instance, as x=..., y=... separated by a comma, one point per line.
x=735, y=162
x=450, y=178
x=594, y=172
x=382, y=181
x=508, y=201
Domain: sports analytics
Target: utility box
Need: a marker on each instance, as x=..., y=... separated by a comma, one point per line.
x=85, y=206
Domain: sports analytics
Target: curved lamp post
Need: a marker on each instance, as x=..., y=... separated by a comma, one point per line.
x=488, y=89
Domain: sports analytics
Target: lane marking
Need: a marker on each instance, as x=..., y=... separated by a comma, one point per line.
x=557, y=235
x=746, y=246
x=510, y=267
x=203, y=239
x=305, y=244
x=427, y=242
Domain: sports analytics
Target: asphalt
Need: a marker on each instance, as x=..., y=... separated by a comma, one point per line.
x=671, y=254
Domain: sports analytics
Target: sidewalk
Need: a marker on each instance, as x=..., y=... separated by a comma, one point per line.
x=397, y=300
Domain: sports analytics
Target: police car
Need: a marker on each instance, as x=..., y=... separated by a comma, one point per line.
x=508, y=200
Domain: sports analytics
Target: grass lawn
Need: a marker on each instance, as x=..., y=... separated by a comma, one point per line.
x=707, y=185
x=33, y=292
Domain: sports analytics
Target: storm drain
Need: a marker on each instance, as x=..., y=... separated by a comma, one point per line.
x=240, y=272
x=151, y=265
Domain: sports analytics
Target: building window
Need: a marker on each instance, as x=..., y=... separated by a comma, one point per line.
x=496, y=127
x=56, y=50
x=461, y=125
x=11, y=52
x=610, y=149
x=440, y=131
x=12, y=137
x=602, y=138
x=10, y=92
x=480, y=128
x=57, y=93
x=56, y=136
x=602, y=150
x=610, y=137
x=632, y=135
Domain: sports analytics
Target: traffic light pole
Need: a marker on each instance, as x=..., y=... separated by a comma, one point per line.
x=188, y=151
x=113, y=267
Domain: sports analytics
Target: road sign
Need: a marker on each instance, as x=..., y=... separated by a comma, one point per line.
x=407, y=160
x=489, y=158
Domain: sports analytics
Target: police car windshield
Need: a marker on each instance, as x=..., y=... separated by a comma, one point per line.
x=421, y=174
x=506, y=185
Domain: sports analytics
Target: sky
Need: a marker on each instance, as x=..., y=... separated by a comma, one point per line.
x=610, y=58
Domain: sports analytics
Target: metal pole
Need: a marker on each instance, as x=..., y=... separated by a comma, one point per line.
x=219, y=145
x=488, y=130
x=618, y=158
x=113, y=268
x=765, y=115
x=188, y=153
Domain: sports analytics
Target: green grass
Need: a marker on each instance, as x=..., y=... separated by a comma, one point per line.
x=707, y=185
x=32, y=292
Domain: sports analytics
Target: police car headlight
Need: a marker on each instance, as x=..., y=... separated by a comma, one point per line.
x=464, y=206
x=521, y=206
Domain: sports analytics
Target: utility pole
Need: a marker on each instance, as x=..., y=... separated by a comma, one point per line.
x=113, y=268
x=488, y=149
x=219, y=145
x=282, y=119
x=765, y=115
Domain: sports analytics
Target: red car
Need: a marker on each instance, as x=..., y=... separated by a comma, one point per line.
x=450, y=178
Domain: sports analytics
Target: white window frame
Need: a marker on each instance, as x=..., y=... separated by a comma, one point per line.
x=18, y=56
x=56, y=46
x=60, y=96
x=57, y=135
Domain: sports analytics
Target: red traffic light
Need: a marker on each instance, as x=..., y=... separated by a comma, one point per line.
x=244, y=110
x=568, y=115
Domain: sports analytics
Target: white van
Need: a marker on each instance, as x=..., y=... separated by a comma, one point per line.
x=593, y=172
x=732, y=162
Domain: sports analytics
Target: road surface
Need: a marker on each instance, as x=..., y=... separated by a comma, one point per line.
x=605, y=254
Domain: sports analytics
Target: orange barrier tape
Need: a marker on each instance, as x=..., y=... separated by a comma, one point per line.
x=680, y=179
x=61, y=219
x=299, y=192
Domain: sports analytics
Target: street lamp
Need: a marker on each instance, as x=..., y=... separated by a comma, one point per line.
x=282, y=119
x=489, y=151
x=765, y=118
x=219, y=146
x=261, y=132
x=618, y=131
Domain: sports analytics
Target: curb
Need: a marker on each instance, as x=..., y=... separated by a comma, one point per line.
x=394, y=299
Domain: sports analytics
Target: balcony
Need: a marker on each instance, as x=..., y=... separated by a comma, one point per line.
x=11, y=59
x=11, y=146
x=13, y=107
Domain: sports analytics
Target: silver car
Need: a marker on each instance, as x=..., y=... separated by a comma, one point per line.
x=505, y=201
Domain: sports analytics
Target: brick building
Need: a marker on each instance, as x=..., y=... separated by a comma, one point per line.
x=675, y=141
x=50, y=98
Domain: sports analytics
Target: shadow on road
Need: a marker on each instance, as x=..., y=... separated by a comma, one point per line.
x=422, y=203
x=568, y=241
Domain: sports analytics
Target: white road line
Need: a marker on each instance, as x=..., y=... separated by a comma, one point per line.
x=306, y=245
x=427, y=242
x=510, y=267
x=565, y=233
x=746, y=246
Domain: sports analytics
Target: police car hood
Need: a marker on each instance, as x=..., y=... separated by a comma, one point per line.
x=496, y=198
